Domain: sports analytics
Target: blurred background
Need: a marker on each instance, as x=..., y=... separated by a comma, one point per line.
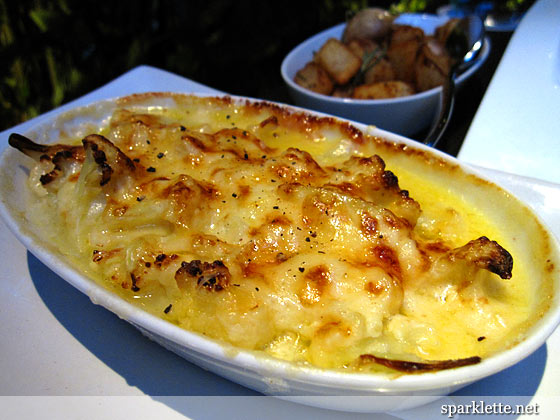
x=54, y=51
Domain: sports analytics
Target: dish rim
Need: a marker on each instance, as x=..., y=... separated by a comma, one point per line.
x=259, y=362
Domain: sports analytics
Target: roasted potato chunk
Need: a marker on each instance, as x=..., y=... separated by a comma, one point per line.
x=403, y=49
x=404, y=33
x=338, y=60
x=361, y=47
x=432, y=65
x=375, y=67
x=382, y=71
x=402, y=57
x=314, y=78
x=383, y=90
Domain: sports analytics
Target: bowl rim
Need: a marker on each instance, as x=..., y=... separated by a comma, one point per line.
x=261, y=363
x=336, y=31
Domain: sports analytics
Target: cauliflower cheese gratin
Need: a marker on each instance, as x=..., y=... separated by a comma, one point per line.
x=281, y=232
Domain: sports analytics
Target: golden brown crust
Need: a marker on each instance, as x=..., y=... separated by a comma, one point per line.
x=485, y=254
x=108, y=157
x=60, y=155
x=213, y=276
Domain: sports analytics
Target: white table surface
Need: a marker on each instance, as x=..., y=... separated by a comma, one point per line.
x=517, y=125
x=63, y=357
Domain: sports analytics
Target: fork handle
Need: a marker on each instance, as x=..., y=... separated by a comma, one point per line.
x=447, y=100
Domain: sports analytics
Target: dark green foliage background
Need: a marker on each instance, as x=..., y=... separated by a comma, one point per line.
x=54, y=51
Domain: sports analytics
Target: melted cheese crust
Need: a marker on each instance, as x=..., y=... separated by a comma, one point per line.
x=281, y=233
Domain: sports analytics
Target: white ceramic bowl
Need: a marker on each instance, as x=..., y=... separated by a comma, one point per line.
x=313, y=386
x=406, y=116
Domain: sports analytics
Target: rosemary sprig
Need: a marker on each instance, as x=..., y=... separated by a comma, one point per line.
x=369, y=60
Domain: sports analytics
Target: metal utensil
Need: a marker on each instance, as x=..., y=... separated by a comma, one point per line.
x=464, y=49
